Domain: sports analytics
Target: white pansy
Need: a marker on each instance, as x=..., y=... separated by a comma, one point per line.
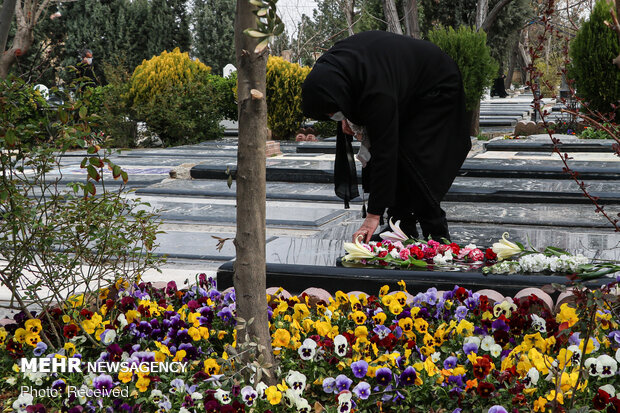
x=487, y=342
x=591, y=365
x=618, y=355
x=307, y=350
x=472, y=339
x=539, y=324
x=296, y=381
x=609, y=389
x=531, y=378
x=260, y=389
x=222, y=396
x=576, y=357
x=340, y=345
x=302, y=405
x=606, y=366
x=435, y=357
x=157, y=396
x=495, y=350
x=289, y=398
x=122, y=321
x=108, y=337
x=196, y=396
x=183, y=410
x=24, y=400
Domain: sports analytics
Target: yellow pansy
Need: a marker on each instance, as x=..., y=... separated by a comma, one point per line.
x=323, y=328
x=384, y=290
x=540, y=404
x=281, y=338
x=20, y=335
x=142, y=384
x=406, y=324
x=179, y=355
x=32, y=339
x=33, y=325
x=421, y=325
x=211, y=367
x=358, y=317
x=395, y=307
x=132, y=315
x=402, y=285
x=194, y=333
x=273, y=395
x=361, y=332
x=553, y=396
x=465, y=328
x=401, y=297
x=125, y=376
x=300, y=311
x=567, y=314
x=70, y=349
x=379, y=318
x=534, y=341
x=342, y=298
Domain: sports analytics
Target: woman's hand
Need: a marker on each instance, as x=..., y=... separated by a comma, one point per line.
x=367, y=229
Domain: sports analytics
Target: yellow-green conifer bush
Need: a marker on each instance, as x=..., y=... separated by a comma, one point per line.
x=284, y=79
x=176, y=97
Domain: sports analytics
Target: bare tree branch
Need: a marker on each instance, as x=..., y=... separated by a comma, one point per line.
x=490, y=19
x=6, y=15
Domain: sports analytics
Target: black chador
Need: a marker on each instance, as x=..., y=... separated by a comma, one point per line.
x=408, y=94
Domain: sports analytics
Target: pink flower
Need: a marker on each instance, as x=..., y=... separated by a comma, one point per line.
x=464, y=252
x=433, y=244
x=429, y=252
x=404, y=254
x=476, y=255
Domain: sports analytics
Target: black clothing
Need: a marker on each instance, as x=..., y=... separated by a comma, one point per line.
x=409, y=95
x=498, y=87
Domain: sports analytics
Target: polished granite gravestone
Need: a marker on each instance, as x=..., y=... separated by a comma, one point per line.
x=321, y=171
x=493, y=121
x=545, y=145
x=463, y=189
x=195, y=246
x=296, y=264
x=199, y=211
x=504, y=112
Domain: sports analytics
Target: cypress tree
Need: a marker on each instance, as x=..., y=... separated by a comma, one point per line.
x=597, y=79
x=214, y=32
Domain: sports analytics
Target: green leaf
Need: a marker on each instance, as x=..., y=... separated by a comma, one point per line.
x=94, y=161
x=262, y=45
x=90, y=187
x=255, y=33
x=116, y=171
x=84, y=162
x=4, y=195
x=91, y=150
x=229, y=181
x=124, y=176
x=92, y=172
x=262, y=12
x=257, y=3
x=81, y=143
x=10, y=138
x=83, y=112
x=63, y=116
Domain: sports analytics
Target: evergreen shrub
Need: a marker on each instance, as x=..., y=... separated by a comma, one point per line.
x=469, y=50
x=176, y=97
x=597, y=79
x=284, y=113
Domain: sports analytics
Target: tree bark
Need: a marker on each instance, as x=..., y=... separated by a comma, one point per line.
x=6, y=15
x=512, y=62
x=474, y=117
x=391, y=15
x=21, y=44
x=482, y=7
x=490, y=18
x=250, y=278
x=412, y=23
x=348, y=8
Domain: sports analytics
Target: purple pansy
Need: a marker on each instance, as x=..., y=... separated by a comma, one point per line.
x=362, y=390
x=359, y=368
x=383, y=376
x=343, y=382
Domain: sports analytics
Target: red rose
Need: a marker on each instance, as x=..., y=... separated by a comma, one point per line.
x=455, y=248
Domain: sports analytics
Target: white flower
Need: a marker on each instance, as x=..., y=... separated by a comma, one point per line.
x=397, y=234
x=531, y=378
x=108, y=337
x=487, y=342
x=609, y=389
x=328, y=314
x=504, y=248
x=606, y=366
x=472, y=339
x=576, y=357
x=539, y=324
x=82, y=394
x=302, y=405
x=222, y=396
x=289, y=398
x=618, y=355
x=11, y=381
x=394, y=253
x=340, y=345
x=296, y=381
x=591, y=364
x=495, y=350
x=157, y=396
x=183, y=410
x=24, y=400
x=196, y=396
x=260, y=389
x=435, y=357
x=356, y=251
x=307, y=350
x=122, y=321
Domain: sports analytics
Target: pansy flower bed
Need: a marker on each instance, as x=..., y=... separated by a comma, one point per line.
x=504, y=257
x=452, y=352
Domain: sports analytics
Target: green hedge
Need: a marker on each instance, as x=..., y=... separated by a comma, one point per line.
x=469, y=50
x=597, y=79
x=284, y=113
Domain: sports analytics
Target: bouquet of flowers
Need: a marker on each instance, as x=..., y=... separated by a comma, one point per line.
x=504, y=257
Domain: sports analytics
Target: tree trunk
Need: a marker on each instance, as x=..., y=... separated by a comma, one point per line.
x=474, y=120
x=490, y=18
x=482, y=7
x=6, y=15
x=412, y=23
x=348, y=8
x=250, y=278
x=512, y=62
x=391, y=15
x=21, y=44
